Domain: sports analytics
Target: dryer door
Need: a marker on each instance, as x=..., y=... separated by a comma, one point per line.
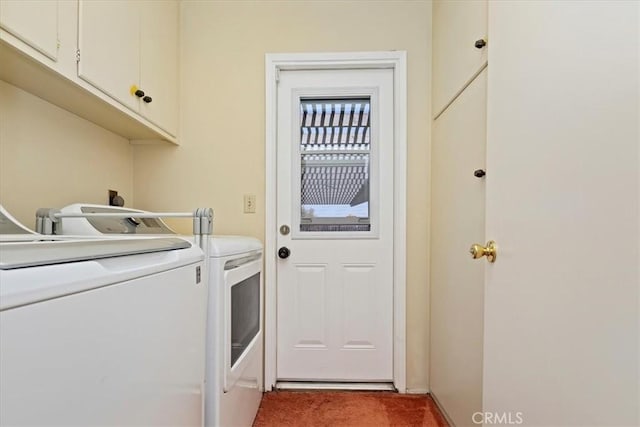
x=243, y=316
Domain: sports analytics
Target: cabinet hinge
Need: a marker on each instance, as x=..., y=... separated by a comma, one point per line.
x=77, y=55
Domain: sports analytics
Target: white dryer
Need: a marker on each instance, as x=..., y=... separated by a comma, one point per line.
x=100, y=331
x=235, y=351
x=234, y=357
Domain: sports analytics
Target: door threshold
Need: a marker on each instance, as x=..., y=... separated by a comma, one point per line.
x=299, y=385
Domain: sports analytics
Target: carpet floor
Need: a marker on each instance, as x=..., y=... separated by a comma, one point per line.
x=320, y=409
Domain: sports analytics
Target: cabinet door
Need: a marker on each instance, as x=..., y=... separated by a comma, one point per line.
x=34, y=22
x=109, y=44
x=457, y=281
x=159, y=62
x=457, y=25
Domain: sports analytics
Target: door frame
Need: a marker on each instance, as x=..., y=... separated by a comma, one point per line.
x=397, y=61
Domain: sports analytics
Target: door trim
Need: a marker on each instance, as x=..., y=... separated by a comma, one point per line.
x=397, y=61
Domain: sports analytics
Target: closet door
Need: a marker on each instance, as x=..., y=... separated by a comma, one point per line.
x=457, y=281
x=457, y=27
x=563, y=197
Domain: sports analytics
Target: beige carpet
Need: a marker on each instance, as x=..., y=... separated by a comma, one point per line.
x=314, y=408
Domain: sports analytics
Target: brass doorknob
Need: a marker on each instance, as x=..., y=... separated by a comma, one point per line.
x=490, y=251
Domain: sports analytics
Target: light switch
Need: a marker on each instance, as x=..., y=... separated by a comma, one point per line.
x=249, y=203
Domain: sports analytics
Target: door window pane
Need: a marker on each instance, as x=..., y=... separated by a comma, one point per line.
x=335, y=151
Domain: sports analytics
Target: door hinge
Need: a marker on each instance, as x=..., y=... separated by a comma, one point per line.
x=277, y=75
x=77, y=55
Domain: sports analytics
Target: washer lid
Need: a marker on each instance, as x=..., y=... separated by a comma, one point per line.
x=33, y=254
x=9, y=226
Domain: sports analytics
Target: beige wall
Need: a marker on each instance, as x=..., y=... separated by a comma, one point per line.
x=50, y=157
x=223, y=118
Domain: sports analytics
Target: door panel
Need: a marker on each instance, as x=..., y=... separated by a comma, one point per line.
x=310, y=305
x=335, y=191
x=457, y=281
x=561, y=303
x=358, y=283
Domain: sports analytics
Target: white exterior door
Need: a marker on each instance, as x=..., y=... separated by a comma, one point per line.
x=335, y=154
x=561, y=301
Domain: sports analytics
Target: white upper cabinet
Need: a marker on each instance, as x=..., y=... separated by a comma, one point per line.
x=459, y=30
x=34, y=22
x=159, y=62
x=90, y=57
x=129, y=51
x=109, y=45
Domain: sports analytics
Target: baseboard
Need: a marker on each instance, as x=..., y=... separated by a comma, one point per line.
x=442, y=411
x=417, y=391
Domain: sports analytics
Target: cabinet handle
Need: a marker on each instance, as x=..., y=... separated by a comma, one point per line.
x=139, y=93
x=147, y=99
x=479, y=173
x=479, y=44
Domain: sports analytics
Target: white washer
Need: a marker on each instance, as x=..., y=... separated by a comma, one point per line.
x=234, y=365
x=99, y=331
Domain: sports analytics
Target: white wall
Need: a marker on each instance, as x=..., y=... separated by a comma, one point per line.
x=223, y=113
x=50, y=157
